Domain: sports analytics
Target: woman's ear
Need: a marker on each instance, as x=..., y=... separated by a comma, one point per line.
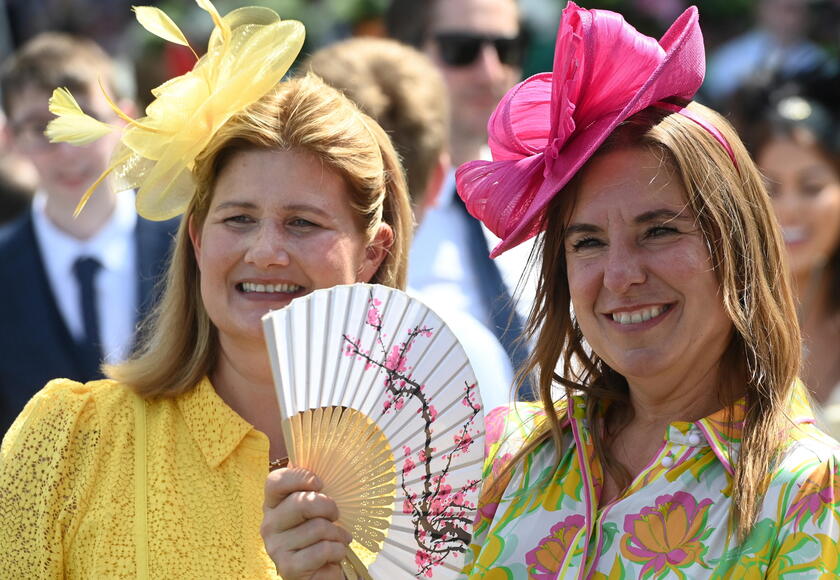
x=195, y=238
x=375, y=253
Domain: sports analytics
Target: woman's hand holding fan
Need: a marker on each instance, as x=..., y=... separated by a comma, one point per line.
x=378, y=399
x=298, y=527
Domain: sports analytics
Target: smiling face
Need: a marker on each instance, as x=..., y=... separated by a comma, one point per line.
x=805, y=189
x=64, y=171
x=279, y=226
x=639, y=272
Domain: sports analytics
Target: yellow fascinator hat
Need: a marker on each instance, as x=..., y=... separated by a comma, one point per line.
x=249, y=51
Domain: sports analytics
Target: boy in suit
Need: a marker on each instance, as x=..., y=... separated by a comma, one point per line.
x=73, y=289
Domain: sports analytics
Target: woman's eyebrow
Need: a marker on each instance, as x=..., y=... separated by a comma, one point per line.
x=573, y=229
x=235, y=204
x=306, y=207
x=658, y=215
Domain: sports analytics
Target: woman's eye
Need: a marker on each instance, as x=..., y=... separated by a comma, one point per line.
x=238, y=219
x=812, y=189
x=302, y=223
x=585, y=243
x=660, y=231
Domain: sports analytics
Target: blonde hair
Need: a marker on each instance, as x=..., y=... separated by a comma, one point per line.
x=400, y=88
x=734, y=213
x=179, y=344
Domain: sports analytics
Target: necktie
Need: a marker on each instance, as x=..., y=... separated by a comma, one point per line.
x=85, y=270
x=505, y=322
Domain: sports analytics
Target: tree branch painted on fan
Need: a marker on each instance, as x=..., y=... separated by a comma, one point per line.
x=439, y=512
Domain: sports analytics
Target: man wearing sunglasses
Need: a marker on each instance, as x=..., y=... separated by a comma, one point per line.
x=477, y=46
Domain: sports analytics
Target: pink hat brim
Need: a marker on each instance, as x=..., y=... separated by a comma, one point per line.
x=546, y=127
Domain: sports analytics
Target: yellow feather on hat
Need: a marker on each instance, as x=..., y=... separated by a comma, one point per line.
x=249, y=52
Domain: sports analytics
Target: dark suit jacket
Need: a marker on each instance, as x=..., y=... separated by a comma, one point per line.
x=35, y=343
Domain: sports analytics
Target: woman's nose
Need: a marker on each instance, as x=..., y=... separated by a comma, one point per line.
x=787, y=205
x=623, y=268
x=268, y=247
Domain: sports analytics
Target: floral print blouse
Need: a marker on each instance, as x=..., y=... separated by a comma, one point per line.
x=673, y=520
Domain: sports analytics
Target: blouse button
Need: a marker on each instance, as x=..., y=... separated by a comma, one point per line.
x=667, y=461
x=694, y=439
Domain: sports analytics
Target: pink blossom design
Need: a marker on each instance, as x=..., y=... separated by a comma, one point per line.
x=396, y=360
x=439, y=512
x=462, y=441
x=423, y=561
x=374, y=318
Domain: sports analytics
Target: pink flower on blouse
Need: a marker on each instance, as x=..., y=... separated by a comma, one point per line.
x=545, y=560
x=816, y=497
x=494, y=425
x=668, y=535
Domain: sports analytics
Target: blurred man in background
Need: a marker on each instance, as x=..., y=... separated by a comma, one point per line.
x=477, y=47
x=73, y=288
x=777, y=46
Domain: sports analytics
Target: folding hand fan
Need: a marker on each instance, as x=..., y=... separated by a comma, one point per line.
x=379, y=400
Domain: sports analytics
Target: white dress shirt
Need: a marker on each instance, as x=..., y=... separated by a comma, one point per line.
x=440, y=267
x=116, y=282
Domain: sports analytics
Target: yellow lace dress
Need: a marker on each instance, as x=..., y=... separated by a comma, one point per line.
x=98, y=483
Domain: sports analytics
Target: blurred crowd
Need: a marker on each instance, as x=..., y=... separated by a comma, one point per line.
x=771, y=68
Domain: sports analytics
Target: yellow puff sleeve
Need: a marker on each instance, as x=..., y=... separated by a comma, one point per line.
x=46, y=463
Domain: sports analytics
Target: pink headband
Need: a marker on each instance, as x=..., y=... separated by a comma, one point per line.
x=547, y=127
x=711, y=129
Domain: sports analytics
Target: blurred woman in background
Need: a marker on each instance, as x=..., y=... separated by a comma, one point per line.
x=793, y=132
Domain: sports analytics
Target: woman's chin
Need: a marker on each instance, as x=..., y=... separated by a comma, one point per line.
x=640, y=363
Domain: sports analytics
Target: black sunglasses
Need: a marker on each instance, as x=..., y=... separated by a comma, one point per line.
x=461, y=48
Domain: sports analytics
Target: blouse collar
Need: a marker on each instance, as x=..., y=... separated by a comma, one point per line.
x=216, y=428
x=722, y=430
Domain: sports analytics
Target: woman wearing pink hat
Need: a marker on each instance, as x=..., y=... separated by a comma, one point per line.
x=684, y=446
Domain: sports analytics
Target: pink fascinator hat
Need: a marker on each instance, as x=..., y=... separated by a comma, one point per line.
x=546, y=127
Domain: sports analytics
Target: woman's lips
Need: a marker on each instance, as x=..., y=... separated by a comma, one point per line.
x=639, y=318
x=270, y=292
x=795, y=235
